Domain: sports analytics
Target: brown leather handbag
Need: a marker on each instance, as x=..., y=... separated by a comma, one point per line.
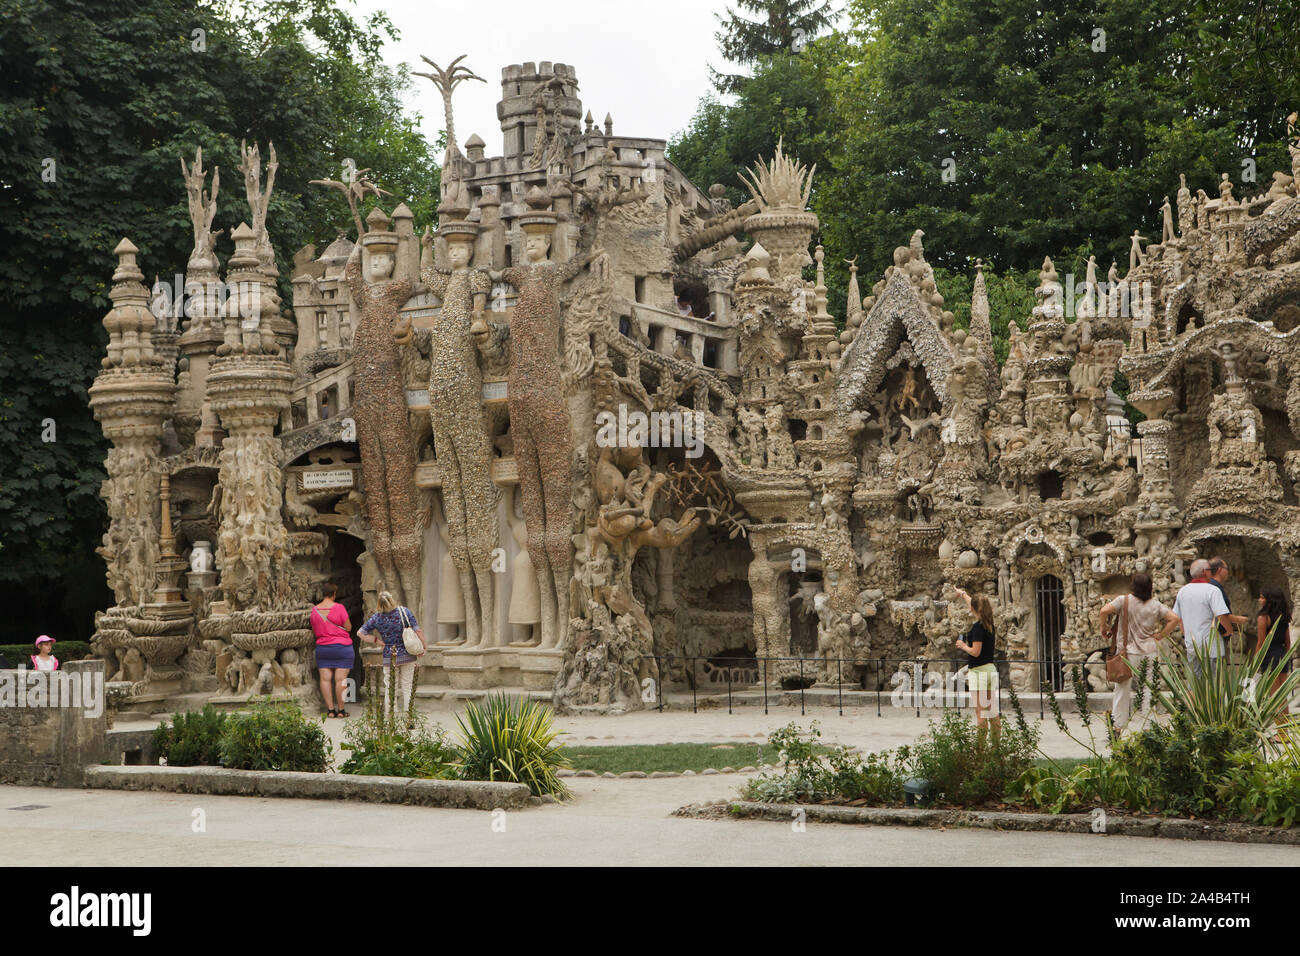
x=1117, y=668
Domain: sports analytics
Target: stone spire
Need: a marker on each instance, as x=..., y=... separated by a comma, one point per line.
x=981, y=329
x=853, y=306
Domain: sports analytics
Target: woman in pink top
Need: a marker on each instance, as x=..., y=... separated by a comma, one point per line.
x=330, y=624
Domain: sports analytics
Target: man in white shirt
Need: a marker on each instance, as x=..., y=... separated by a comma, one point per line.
x=1198, y=605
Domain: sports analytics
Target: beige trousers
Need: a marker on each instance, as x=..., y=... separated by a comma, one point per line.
x=405, y=684
x=1121, y=707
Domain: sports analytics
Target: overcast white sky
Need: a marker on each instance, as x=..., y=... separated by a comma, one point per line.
x=644, y=62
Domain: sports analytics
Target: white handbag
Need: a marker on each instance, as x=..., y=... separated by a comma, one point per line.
x=411, y=640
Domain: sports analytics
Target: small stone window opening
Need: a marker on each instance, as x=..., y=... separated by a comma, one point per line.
x=1051, y=484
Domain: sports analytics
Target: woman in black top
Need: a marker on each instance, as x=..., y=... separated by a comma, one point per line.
x=978, y=645
x=1274, y=629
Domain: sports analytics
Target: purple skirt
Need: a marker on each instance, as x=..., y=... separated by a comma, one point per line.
x=337, y=656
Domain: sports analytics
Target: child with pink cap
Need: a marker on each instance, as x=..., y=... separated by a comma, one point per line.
x=44, y=659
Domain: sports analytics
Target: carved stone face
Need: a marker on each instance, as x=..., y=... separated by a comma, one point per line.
x=379, y=266
x=459, y=254
x=536, y=246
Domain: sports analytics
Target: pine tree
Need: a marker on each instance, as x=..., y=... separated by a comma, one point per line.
x=782, y=26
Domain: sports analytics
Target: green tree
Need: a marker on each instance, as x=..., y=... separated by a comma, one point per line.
x=1013, y=130
x=98, y=103
x=782, y=101
x=783, y=26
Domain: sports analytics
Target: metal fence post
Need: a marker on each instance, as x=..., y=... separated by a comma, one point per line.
x=802, y=711
x=764, y=685
x=880, y=669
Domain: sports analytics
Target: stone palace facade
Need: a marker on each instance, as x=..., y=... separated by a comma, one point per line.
x=597, y=416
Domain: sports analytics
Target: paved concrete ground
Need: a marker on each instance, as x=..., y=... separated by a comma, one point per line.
x=611, y=822
x=859, y=728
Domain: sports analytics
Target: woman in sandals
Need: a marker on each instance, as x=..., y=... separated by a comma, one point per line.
x=330, y=624
x=387, y=624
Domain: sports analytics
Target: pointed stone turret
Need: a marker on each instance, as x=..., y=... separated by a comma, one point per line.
x=981, y=329
x=853, y=305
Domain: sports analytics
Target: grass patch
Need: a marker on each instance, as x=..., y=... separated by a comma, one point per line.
x=670, y=758
x=1064, y=764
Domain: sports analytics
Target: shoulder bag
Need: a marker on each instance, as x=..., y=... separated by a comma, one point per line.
x=1117, y=668
x=411, y=640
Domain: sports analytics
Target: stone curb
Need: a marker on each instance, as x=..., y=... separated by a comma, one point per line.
x=218, y=781
x=1116, y=825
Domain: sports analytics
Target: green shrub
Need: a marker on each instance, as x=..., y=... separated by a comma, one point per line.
x=511, y=739
x=967, y=765
x=1183, y=765
x=1176, y=770
x=416, y=753
x=192, y=739
x=808, y=771
x=1266, y=793
x=385, y=744
x=275, y=735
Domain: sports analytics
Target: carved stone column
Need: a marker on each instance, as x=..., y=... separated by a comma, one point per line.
x=131, y=399
x=249, y=387
x=1156, y=486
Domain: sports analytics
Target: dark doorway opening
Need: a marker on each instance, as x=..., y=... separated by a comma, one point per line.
x=1049, y=607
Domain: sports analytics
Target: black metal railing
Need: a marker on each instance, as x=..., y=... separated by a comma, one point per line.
x=870, y=673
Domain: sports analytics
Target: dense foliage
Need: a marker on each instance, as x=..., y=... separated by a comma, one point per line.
x=1237, y=759
x=98, y=103
x=274, y=735
x=1066, y=124
x=761, y=28
x=191, y=739
x=963, y=766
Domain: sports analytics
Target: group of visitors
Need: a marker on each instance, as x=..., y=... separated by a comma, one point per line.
x=336, y=652
x=1202, y=611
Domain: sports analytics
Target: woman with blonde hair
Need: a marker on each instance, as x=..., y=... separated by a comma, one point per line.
x=385, y=627
x=982, y=678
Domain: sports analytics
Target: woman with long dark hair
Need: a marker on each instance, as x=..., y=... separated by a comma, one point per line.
x=1273, y=629
x=977, y=645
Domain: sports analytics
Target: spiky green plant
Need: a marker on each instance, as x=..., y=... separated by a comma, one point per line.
x=1141, y=676
x=1232, y=695
x=1079, y=685
x=510, y=738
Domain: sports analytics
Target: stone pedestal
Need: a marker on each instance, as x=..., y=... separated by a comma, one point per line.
x=538, y=667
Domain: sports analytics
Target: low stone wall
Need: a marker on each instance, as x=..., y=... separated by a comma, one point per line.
x=218, y=781
x=1115, y=824
x=49, y=746
x=131, y=747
